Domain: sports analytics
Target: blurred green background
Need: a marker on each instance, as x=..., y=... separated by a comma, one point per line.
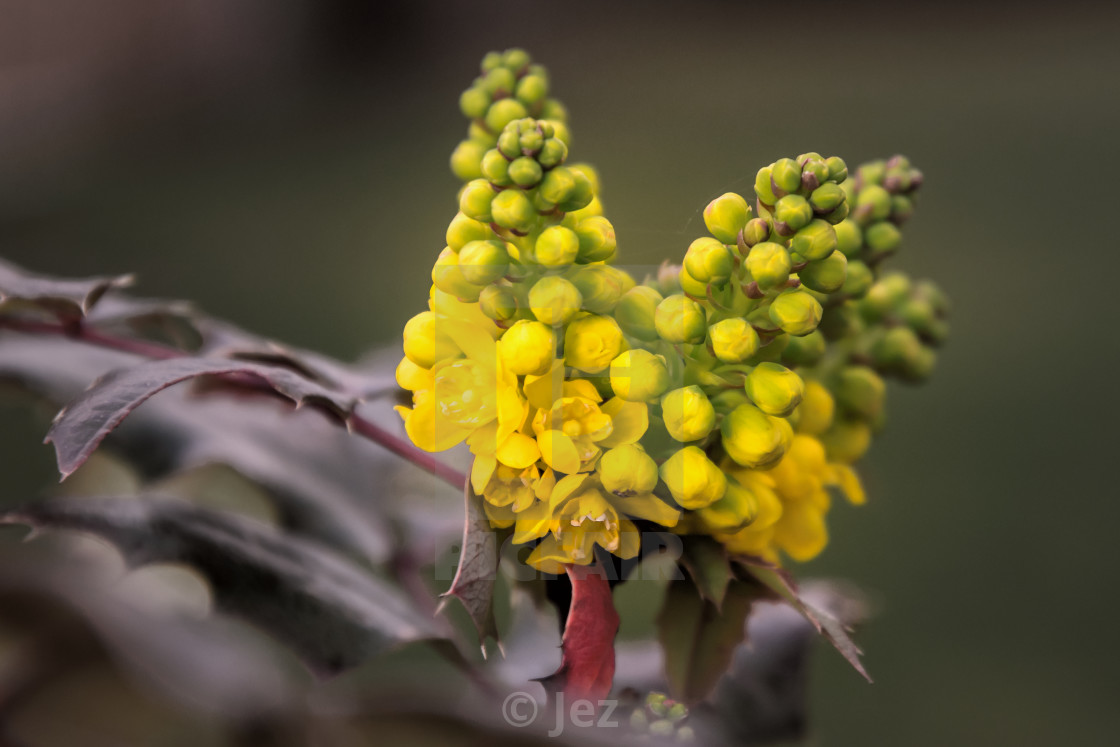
x=284, y=164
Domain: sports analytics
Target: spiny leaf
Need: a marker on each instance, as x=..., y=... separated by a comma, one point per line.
x=473, y=584
x=782, y=583
x=66, y=299
x=333, y=614
x=698, y=639
x=707, y=564
x=82, y=425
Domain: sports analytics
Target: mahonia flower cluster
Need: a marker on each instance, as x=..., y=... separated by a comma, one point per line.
x=724, y=397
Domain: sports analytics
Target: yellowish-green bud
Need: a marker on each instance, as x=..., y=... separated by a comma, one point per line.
x=495, y=168
x=597, y=240
x=447, y=275
x=826, y=198
x=475, y=199
x=774, y=389
x=860, y=391
x=557, y=247
x=692, y=478
x=554, y=300
x=525, y=172
x=769, y=264
x=837, y=169
x=872, y=204
x=424, y=345
x=858, y=279
x=791, y=214
x=601, y=286
x=512, y=209
x=531, y=89
x=825, y=275
x=466, y=160
x=691, y=285
x=708, y=261
x=785, y=176
x=796, y=312
x=474, y=102
x=754, y=439
x=635, y=312
x=882, y=237
x=680, y=319
x=497, y=302
x=527, y=348
x=733, y=340
x=483, y=262
x=503, y=112
x=591, y=342
x=804, y=351
x=756, y=231
x=849, y=238
x=463, y=230
x=736, y=509
x=763, y=187
x=726, y=215
x=816, y=240
x=628, y=470
x=898, y=348
x=639, y=376
x=689, y=415
x=846, y=441
x=816, y=410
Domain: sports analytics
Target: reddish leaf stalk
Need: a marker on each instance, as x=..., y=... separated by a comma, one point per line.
x=587, y=664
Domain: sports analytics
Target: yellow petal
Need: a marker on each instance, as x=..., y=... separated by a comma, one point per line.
x=542, y=391
x=630, y=421
x=630, y=540
x=559, y=451
x=549, y=557
x=543, y=489
x=475, y=342
x=484, y=441
x=518, y=451
x=848, y=480
x=565, y=488
x=532, y=523
x=481, y=471
x=412, y=377
x=648, y=507
x=431, y=433
x=582, y=388
x=500, y=516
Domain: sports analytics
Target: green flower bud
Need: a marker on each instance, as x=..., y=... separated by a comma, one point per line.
x=825, y=275
x=527, y=348
x=919, y=368
x=474, y=102
x=814, y=173
x=919, y=315
x=554, y=300
x=497, y=302
x=638, y=375
x=511, y=209
x=841, y=322
x=691, y=285
x=804, y=351
x=495, y=168
x=628, y=470
x=756, y=231
x=736, y=509
x=635, y=312
x=531, y=90
x=589, y=171
x=785, y=177
x=930, y=291
x=846, y=441
x=491, y=61
x=754, y=439
x=849, y=238
x=858, y=280
x=840, y=213
x=815, y=241
x=837, y=169
x=791, y=214
x=872, y=204
x=516, y=59
x=902, y=209
x=553, y=153
x=498, y=81
x=763, y=188
x=860, y=391
x=466, y=160
x=525, y=172
x=580, y=196
x=692, y=478
x=882, y=237
x=774, y=389
x=733, y=340
x=769, y=265
x=688, y=414
x=557, y=185
x=502, y=113
x=532, y=141
x=884, y=296
x=896, y=349
x=447, y=275
x=509, y=143
x=483, y=262
x=872, y=173
x=709, y=261
x=591, y=342
x=826, y=198
x=677, y=712
x=463, y=230
x=597, y=241
x=475, y=199
x=601, y=286
x=796, y=312
x=557, y=247
x=725, y=216
x=680, y=319
x=424, y=344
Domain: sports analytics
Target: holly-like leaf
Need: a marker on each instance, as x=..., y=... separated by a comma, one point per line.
x=473, y=584
x=66, y=299
x=587, y=661
x=707, y=564
x=829, y=625
x=85, y=422
x=334, y=614
x=699, y=639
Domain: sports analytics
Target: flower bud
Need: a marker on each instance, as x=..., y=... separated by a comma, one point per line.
x=424, y=345
x=858, y=279
x=756, y=231
x=638, y=375
x=495, y=168
x=849, y=238
x=680, y=319
x=463, y=230
x=692, y=478
x=581, y=194
x=627, y=470
x=919, y=316
x=826, y=198
x=872, y=204
x=474, y=102
x=527, y=348
x=601, y=286
x=531, y=89
x=736, y=509
x=884, y=296
x=525, y=172
x=814, y=414
x=846, y=441
x=769, y=265
x=483, y=262
x=774, y=389
x=691, y=286
x=475, y=199
x=763, y=188
x=814, y=173
x=825, y=275
x=725, y=216
x=841, y=322
x=635, y=312
x=920, y=367
x=553, y=153
x=902, y=209
x=512, y=209
x=688, y=414
x=447, y=275
x=837, y=169
x=796, y=312
x=860, y=391
x=791, y=214
x=466, y=159
x=557, y=247
x=896, y=349
x=596, y=239
x=785, y=177
x=497, y=302
x=709, y=261
x=499, y=80
x=503, y=112
x=804, y=351
x=554, y=300
x=816, y=240
x=883, y=236
x=754, y=439
x=516, y=59
x=733, y=340
x=591, y=342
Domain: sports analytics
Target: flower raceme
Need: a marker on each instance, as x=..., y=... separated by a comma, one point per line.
x=726, y=397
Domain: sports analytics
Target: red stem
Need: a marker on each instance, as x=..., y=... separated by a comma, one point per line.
x=587, y=663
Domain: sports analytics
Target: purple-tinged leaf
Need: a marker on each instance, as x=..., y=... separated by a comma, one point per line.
x=66, y=299
x=334, y=614
x=473, y=584
x=708, y=567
